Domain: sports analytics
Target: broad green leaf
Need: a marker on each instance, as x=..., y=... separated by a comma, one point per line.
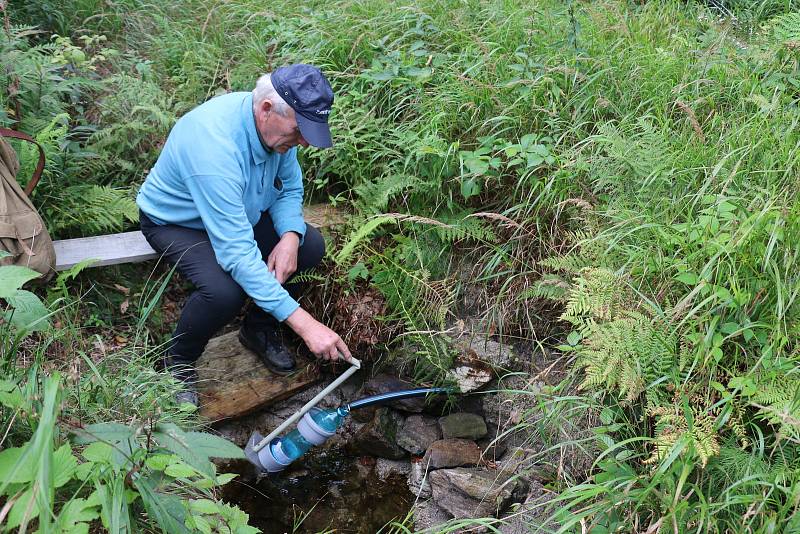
x=108, y=432
x=64, y=465
x=200, y=523
x=477, y=165
x=174, y=439
x=16, y=466
x=688, y=278
x=12, y=277
x=574, y=337
x=746, y=384
x=24, y=510
x=4, y=254
x=225, y=478
x=213, y=446
x=28, y=312
x=98, y=452
x=167, y=510
x=74, y=513
x=470, y=188
x=180, y=470
x=10, y=395
x=203, y=506
x=159, y=462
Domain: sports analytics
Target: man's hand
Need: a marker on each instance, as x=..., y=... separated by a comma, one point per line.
x=321, y=340
x=282, y=261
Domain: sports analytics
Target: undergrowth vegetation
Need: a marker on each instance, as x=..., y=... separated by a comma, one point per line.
x=629, y=168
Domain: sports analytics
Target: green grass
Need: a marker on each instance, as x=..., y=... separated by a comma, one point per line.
x=631, y=168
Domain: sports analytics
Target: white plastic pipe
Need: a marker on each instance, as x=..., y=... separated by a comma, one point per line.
x=356, y=365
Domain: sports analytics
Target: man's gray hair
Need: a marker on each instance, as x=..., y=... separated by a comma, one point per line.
x=264, y=90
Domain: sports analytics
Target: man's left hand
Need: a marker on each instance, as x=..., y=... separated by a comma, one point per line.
x=282, y=261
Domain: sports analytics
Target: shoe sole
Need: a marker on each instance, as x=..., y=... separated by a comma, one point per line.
x=272, y=368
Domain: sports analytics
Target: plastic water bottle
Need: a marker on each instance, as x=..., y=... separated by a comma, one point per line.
x=313, y=429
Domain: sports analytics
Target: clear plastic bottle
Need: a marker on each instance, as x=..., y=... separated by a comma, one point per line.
x=322, y=425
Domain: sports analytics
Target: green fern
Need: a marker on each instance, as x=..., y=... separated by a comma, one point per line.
x=672, y=425
x=550, y=287
x=374, y=196
x=777, y=398
x=597, y=294
x=627, y=355
x=786, y=28
x=644, y=151
x=360, y=234
x=92, y=209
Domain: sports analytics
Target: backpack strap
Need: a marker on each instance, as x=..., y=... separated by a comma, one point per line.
x=6, y=132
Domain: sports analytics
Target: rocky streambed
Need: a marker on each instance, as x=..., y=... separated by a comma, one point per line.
x=479, y=454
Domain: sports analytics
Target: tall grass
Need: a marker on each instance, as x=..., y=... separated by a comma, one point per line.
x=631, y=168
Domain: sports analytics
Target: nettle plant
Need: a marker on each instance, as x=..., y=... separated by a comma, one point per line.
x=118, y=471
x=496, y=157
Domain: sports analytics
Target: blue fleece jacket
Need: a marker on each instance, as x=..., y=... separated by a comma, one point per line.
x=214, y=174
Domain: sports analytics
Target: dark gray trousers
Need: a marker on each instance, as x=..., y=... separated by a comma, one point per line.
x=218, y=298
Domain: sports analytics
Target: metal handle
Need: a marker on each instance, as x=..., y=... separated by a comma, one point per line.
x=356, y=365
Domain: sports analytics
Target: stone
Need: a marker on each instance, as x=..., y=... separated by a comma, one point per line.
x=379, y=436
x=417, y=433
x=492, y=448
x=463, y=425
x=418, y=481
x=452, y=453
x=428, y=516
x=385, y=383
x=499, y=355
x=386, y=469
x=531, y=515
x=471, y=492
x=470, y=373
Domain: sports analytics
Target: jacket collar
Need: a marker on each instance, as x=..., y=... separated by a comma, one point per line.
x=257, y=148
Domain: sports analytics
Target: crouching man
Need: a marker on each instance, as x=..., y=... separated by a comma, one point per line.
x=224, y=202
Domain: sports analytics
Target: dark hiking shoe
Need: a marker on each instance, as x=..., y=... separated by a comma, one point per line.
x=187, y=396
x=269, y=347
x=183, y=371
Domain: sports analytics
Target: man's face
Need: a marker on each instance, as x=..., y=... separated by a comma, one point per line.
x=278, y=133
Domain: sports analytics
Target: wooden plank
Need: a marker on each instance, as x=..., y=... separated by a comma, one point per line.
x=233, y=382
x=132, y=247
x=128, y=247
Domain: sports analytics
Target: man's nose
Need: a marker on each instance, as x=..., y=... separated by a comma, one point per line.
x=303, y=142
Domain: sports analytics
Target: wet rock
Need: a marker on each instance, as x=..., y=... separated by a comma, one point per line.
x=513, y=411
x=531, y=515
x=428, y=515
x=452, y=453
x=492, y=448
x=385, y=383
x=385, y=469
x=418, y=481
x=463, y=425
x=471, y=492
x=417, y=433
x=499, y=355
x=470, y=373
x=379, y=436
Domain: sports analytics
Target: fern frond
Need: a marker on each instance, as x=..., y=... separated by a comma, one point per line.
x=786, y=28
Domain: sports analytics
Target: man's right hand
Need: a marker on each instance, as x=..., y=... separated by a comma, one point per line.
x=321, y=340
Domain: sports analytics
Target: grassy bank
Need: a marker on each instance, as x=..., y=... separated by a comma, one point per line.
x=628, y=169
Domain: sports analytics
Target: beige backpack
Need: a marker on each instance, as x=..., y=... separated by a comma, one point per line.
x=22, y=230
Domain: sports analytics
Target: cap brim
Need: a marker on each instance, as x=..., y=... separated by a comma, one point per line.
x=316, y=133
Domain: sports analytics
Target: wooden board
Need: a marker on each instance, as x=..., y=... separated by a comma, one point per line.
x=132, y=247
x=234, y=382
x=128, y=247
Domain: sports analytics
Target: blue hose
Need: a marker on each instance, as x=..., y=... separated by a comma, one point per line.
x=396, y=395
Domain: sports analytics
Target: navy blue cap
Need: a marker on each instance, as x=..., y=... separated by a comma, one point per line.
x=309, y=94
